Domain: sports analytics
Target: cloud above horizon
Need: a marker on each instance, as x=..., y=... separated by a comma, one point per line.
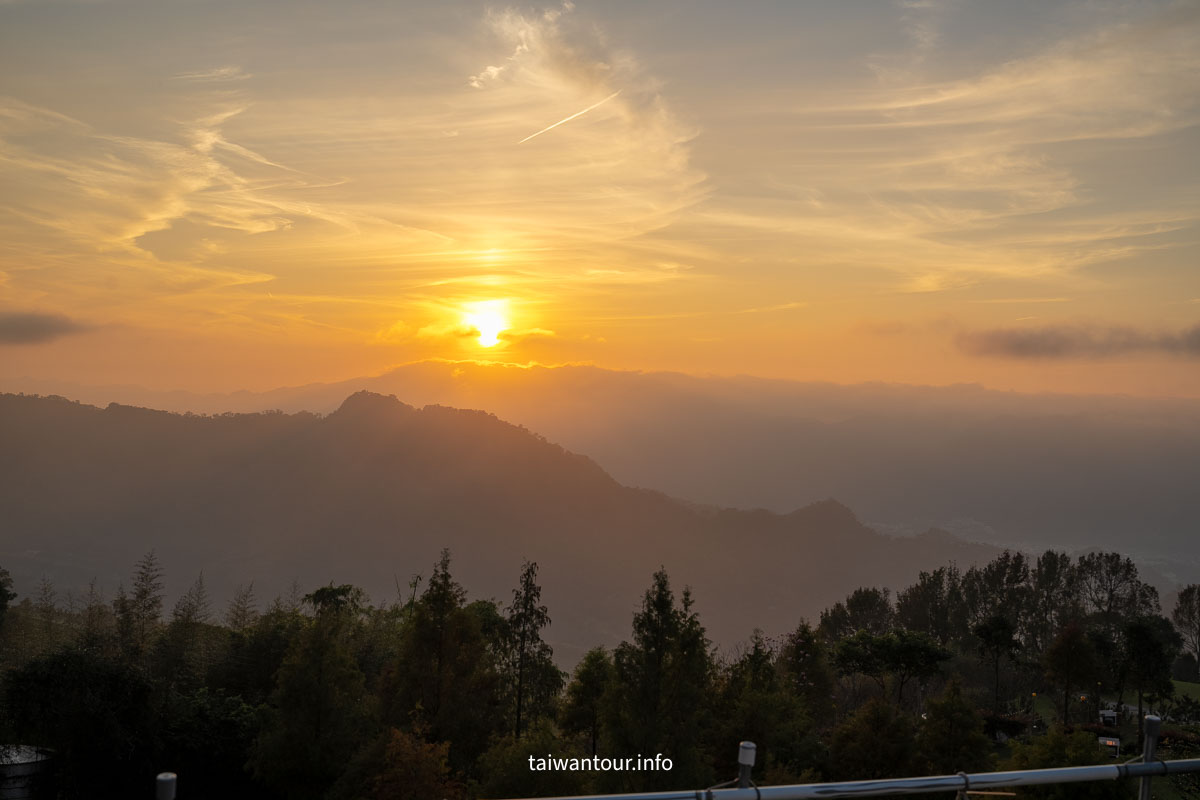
x=31, y=327
x=1080, y=342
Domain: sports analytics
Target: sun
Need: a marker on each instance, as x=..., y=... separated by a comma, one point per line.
x=488, y=318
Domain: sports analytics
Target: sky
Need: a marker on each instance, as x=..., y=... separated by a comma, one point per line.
x=218, y=195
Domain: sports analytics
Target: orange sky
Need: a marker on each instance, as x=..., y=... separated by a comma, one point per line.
x=254, y=194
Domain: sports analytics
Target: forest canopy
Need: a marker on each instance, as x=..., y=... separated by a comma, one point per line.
x=435, y=694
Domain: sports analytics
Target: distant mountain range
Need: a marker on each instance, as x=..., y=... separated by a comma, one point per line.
x=1030, y=471
x=370, y=493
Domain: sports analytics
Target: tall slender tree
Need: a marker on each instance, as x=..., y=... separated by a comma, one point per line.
x=140, y=611
x=242, y=612
x=1186, y=616
x=535, y=680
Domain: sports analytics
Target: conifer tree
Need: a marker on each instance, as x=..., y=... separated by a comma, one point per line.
x=445, y=669
x=534, y=679
x=806, y=669
x=243, y=611
x=582, y=708
x=139, y=612
x=46, y=607
x=661, y=686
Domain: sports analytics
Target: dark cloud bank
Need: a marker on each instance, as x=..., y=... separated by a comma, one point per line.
x=1062, y=341
x=27, y=327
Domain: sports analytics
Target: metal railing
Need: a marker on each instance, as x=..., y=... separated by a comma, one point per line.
x=962, y=783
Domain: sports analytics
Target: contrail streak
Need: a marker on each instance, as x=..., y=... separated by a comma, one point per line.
x=568, y=119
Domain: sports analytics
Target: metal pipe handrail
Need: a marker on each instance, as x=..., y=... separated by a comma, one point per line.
x=962, y=782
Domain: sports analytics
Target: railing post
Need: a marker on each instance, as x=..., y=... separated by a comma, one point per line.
x=746, y=753
x=1149, y=743
x=165, y=788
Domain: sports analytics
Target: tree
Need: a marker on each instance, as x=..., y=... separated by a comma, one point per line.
x=445, y=675
x=1151, y=645
x=206, y=735
x=661, y=686
x=536, y=681
x=1185, y=615
x=46, y=607
x=345, y=602
x=951, y=738
x=805, y=666
x=504, y=769
x=582, y=708
x=98, y=631
x=904, y=655
x=1060, y=749
x=318, y=712
x=97, y=714
x=862, y=654
x=934, y=605
x=1186, y=669
x=912, y=656
x=139, y=613
x=865, y=609
x=1053, y=599
x=1070, y=662
x=415, y=769
x=242, y=612
x=756, y=702
x=997, y=641
x=876, y=742
x=181, y=654
x=998, y=588
x=7, y=595
x=1112, y=591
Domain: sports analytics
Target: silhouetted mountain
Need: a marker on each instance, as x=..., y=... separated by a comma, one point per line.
x=1000, y=467
x=370, y=493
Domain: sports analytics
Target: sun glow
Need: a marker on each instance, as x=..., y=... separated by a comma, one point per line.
x=489, y=319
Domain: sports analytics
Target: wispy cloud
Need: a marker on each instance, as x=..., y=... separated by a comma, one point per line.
x=950, y=180
x=1080, y=342
x=108, y=190
x=30, y=327
x=217, y=74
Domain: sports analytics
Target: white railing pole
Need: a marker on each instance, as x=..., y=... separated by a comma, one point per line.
x=165, y=786
x=1149, y=742
x=746, y=753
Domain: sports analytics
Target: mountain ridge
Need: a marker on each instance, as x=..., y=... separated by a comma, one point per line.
x=370, y=493
x=1011, y=469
